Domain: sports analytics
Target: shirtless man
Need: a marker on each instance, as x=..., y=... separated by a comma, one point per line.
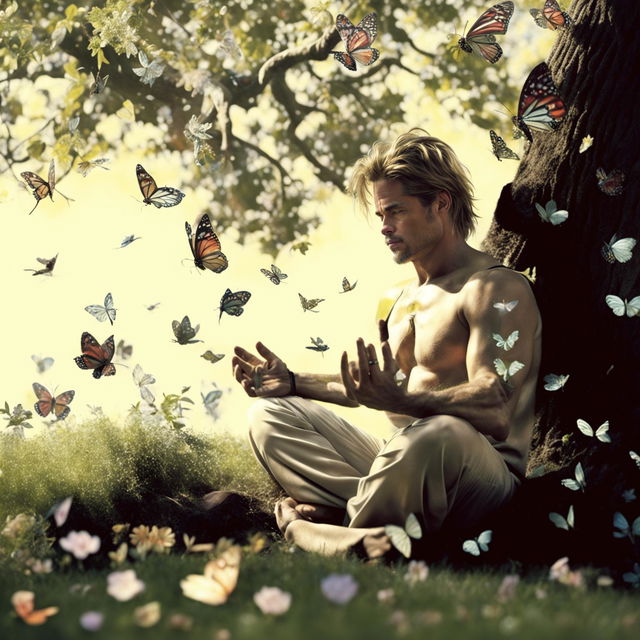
x=466, y=336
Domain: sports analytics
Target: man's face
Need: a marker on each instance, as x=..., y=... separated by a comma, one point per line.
x=410, y=228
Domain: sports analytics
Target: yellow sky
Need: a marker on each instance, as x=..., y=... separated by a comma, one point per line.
x=46, y=316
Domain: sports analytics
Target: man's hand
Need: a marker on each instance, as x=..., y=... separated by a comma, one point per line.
x=268, y=378
x=366, y=382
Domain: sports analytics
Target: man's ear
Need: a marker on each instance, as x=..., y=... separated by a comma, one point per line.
x=443, y=200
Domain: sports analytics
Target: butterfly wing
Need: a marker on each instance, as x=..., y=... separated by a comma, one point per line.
x=97, y=311
x=514, y=367
x=146, y=183
x=271, y=275
x=60, y=511
x=602, y=432
x=540, y=106
x=61, y=406
x=480, y=39
x=278, y=272
x=345, y=27
x=484, y=539
x=554, y=382
x=633, y=307
x=205, y=247
x=501, y=368
x=233, y=303
x=345, y=59
x=40, y=188
x=412, y=527
x=554, y=17
x=620, y=250
x=224, y=571
x=399, y=539
x=471, y=546
x=109, y=309
x=500, y=149
x=610, y=183
x=45, y=400
x=165, y=197
x=616, y=304
x=96, y=356
x=584, y=427
x=52, y=176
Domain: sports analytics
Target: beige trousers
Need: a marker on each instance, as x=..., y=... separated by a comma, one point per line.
x=439, y=468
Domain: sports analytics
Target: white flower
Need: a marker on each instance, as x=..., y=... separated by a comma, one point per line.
x=40, y=566
x=417, y=571
x=91, y=620
x=272, y=601
x=196, y=131
x=124, y=585
x=386, y=596
x=80, y=543
x=339, y=588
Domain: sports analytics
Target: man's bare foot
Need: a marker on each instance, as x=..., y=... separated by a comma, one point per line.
x=376, y=545
x=320, y=513
x=286, y=513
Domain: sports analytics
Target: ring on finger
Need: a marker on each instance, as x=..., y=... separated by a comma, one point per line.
x=372, y=362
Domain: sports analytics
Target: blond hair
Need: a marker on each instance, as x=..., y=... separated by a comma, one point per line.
x=425, y=166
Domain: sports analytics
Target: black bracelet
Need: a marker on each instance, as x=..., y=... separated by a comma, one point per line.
x=292, y=382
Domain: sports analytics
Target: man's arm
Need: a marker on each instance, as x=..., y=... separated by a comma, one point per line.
x=324, y=387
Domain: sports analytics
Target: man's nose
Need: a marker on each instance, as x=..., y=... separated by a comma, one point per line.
x=387, y=228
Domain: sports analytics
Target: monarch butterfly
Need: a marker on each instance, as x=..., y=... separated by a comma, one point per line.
x=152, y=194
x=184, y=332
x=41, y=188
x=308, y=305
x=618, y=249
x=219, y=580
x=357, y=41
x=23, y=603
x=480, y=39
x=507, y=370
x=96, y=356
x=233, y=303
x=101, y=313
x=275, y=275
x=318, y=345
x=205, y=246
x=551, y=16
x=49, y=264
x=500, y=149
x=347, y=286
x=610, y=183
x=476, y=545
x=508, y=342
x=540, y=106
x=401, y=537
x=48, y=403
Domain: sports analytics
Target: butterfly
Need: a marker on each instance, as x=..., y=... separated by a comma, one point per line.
x=151, y=307
x=619, y=250
x=96, y=356
x=99, y=83
x=205, y=246
x=620, y=307
x=127, y=240
x=480, y=39
x=212, y=357
x=49, y=264
x=275, y=275
x=587, y=141
x=43, y=363
x=401, y=537
x=41, y=188
x=551, y=16
x=500, y=149
x=211, y=401
x=219, y=580
x=152, y=194
x=550, y=213
x=577, y=484
x=508, y=342
x=635, y=457
x=143, y=379
x=123, y=350
x=23, y=603
x=357, y=41
x=308, y=305
x=58, y=405
x=601, y=432
x=85, y=166
x=540, y=106
x=622, y=524
x=60, y=511
x=507, y=370
x=505, y=307
x=228, y=47
x=629, y=495
x=233, y=303
x=347, y=286
x=101, y=313
x=318, y=345
x=610, y=183
x=561, y=522
x=476, y=545
x=553, y=382
x=184, y=332
x=149, y=71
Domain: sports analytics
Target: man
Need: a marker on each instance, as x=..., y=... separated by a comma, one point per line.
x=465, y=336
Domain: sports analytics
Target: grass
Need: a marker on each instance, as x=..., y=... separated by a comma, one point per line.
x=101, y=464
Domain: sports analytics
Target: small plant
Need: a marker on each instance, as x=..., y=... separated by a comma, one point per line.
x=17, y=419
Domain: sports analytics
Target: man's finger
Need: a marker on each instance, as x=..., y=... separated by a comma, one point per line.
x=268, y=355
x=363, y=358
x=373, y=363
x=246, y=355
x=390, y=363
x=383, y=329
x=246, y=367
x=347, y=380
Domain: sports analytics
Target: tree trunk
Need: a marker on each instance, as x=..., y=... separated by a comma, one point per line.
x=591, y=64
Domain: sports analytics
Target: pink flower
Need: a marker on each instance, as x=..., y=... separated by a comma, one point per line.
x=80, y=543
x=91, y=620
x=272, y=601
x=339, y=588
x=417, y=571
x=124, y=585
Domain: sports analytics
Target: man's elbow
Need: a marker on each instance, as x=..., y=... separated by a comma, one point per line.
x=501, y=425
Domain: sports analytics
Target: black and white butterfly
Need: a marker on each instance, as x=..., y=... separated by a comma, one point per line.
x=275, y=275
x=308, y=305
x=318, y=345
x=500, y=149
x=232, y=302
x=102, y=313
x=347, y=286
x=184, y=332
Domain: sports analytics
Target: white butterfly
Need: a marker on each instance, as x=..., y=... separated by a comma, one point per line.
x=60, y=511
x=619, y=250
x=401, y=538
x=587, y=141
x=508, y=342
x=149, y=71
x=561, y=522
x=476, y=545
x=577, y=484
x=43, y=363
x=622, y=524
x=550, y=213
x=507, y=370
x=620, y=307
x=600, y=433
x=505, y=307
x=553, y=382
x=101, y=313
x=143, y=379
x=635, y=457
x=211, y=402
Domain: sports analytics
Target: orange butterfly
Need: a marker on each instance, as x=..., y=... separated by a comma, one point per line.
x=357, y=41
x=219, y=580
x=41, y=188
x=22, y=602
x=47, y=403
x=96, y=356
x=152, y=194
x=205, y=246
